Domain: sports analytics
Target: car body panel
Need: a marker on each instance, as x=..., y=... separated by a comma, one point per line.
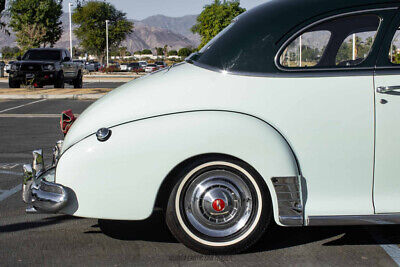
x=328, y=124
x=126, y=179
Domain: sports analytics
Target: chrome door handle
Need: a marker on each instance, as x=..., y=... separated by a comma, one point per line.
x=387, y=89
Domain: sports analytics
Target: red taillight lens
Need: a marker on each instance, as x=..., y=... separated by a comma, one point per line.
x=67, y=119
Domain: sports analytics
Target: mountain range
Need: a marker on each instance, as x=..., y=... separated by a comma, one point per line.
x=154, y=31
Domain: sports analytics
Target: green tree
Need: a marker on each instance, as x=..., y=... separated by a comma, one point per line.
x=78, y=52
x=159, y=51
x=147, y=52
x=122, y=51
x=184, y=52
x=91, y=31
x=10, y=52
x=165, y=50
x=214, y=18
x=172, y=53
x=36, y=22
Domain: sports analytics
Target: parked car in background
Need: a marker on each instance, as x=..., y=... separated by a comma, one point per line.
x=124, y=67
x=161, y=64
x=143, y=64
x=151, y=68
x=115, y=65
x=135, y=67
x=45, y=66
x=8, y=66
x=248, y=133
x=80, y=62
x=92, y=66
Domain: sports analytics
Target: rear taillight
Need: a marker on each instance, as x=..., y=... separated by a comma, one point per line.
x=67, y=119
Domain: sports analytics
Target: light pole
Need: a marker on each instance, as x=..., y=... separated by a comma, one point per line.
x=354, y=46
x=70, y=29
x=301, y=50
x=107, y=40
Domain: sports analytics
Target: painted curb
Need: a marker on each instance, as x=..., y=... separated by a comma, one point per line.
x=73, y=97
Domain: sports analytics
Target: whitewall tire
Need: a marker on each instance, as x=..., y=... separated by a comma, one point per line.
x=220, y=205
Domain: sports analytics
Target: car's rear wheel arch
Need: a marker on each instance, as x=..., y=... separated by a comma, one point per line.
x=172, y=178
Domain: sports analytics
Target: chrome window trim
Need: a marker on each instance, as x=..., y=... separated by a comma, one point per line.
x=290, y=74
x=302, y=30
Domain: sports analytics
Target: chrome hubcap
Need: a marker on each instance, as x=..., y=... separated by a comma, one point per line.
x=218, y=203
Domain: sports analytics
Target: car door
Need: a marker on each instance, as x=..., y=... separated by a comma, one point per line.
x=335, y=146
x=387, y=106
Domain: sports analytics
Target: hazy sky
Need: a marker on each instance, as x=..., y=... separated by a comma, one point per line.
x=140, y=9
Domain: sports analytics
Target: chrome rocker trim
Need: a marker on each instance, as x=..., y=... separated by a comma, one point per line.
x=354, y=220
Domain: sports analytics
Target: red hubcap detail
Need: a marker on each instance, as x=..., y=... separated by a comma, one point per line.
x=218, y=205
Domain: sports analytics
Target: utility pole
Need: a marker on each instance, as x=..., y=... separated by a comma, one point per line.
x=354, y=46
x=301, y=50
x=70, y=29
x=107, y=39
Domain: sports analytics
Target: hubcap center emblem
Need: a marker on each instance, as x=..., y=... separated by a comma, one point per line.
x=218, y=205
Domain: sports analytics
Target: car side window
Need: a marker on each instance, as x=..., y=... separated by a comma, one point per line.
x=355, y=48
x=336, y=43
x=306, y=50
x=394, y=51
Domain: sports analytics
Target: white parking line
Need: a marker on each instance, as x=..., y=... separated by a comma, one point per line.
x=20, y=106
x=10, y=192
x=392, y=250
x=8, y=166
x=10, y=172
x=31, y=115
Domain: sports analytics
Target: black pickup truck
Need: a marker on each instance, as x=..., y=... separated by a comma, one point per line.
x=45, y=66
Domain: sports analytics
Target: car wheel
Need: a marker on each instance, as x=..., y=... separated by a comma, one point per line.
x=219, y=206
x=60, y=81
x=78, y=82
x=13, y=84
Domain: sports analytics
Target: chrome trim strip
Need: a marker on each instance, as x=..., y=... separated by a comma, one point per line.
x=305, y=73
x=295, y=35
x=353, y=220
x=290, y=204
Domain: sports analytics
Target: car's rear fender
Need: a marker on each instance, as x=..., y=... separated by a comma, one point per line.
x=121, y=178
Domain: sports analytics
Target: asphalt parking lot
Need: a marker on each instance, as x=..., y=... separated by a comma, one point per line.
x=45, y=239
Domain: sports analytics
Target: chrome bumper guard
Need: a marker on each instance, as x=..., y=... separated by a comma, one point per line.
x=39, y=189
x=48, y=197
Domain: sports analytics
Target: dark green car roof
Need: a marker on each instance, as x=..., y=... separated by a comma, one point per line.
x=284, y=15
x=250, y=44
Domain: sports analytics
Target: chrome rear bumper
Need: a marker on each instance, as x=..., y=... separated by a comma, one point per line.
x=39, y=189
